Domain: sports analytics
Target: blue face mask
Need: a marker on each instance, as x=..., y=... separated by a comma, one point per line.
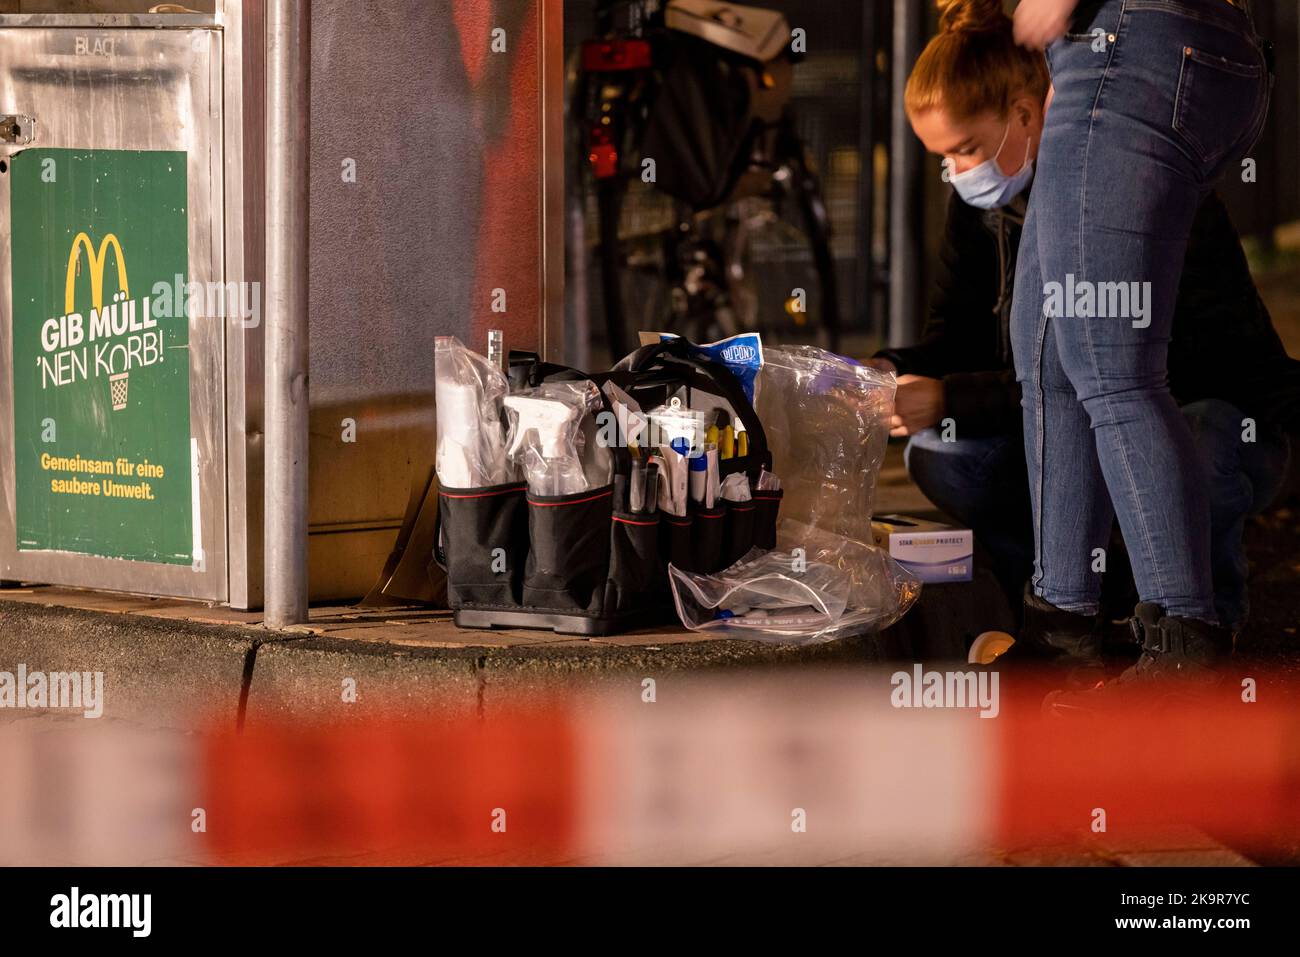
x=986, y=186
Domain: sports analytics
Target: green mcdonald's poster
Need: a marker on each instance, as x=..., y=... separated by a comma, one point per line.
x=102, y=453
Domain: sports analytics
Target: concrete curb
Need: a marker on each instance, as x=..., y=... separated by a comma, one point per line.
x=171, y=672
x=307, y=676
x=157, y=672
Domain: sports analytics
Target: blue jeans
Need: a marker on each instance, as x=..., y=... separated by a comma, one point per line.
x=1148, y=113
x=983, y=484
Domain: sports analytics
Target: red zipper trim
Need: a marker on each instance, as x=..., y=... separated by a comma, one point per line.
x=577, y=501
x=503, y=491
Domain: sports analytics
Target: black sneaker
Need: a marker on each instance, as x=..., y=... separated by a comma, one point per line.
x=1056, y=642
x=1181, y=659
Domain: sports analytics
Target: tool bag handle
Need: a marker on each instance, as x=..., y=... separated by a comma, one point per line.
x=655, y=356
x=676, y=351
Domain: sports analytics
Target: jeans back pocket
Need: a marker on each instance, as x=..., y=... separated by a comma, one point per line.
x=1220, y=106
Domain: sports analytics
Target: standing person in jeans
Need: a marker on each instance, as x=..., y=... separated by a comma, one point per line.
x=1227, y=365
x=1140, y=128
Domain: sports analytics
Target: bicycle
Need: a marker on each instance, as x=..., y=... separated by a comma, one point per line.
x=730, y=222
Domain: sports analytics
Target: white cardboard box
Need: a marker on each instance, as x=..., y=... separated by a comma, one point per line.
x=931, y=551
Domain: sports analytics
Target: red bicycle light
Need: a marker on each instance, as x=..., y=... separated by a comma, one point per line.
x=604, y=160
x=608, y=56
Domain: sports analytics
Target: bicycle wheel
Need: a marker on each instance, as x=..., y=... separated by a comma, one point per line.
x=779, y=263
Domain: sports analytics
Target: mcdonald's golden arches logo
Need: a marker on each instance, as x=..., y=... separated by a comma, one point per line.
x=97, y=263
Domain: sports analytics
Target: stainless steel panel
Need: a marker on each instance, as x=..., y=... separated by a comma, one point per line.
x=244, y=48
x=90, y=87
x=451, y=135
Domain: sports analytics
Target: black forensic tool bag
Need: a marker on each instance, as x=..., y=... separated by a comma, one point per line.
x=580, y=564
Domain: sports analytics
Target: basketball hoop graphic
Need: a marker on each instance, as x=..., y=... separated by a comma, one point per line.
x=117, y=390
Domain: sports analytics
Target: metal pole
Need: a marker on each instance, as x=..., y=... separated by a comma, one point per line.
x=288, y=62
x=906, y=252
x=577, y=347
x=867, y=86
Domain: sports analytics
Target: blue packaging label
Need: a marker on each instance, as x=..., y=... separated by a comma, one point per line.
x=742, y=354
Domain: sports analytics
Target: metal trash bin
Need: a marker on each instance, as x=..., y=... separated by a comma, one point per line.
x=449, y=207
x=124, y=369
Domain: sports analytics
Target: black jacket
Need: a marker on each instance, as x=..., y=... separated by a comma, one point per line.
x=1223, y=345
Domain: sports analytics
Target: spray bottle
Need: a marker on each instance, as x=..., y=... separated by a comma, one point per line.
x=545, y=440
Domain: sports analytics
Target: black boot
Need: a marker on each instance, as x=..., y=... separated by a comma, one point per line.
x=1181, y=657
x=1055, y=640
